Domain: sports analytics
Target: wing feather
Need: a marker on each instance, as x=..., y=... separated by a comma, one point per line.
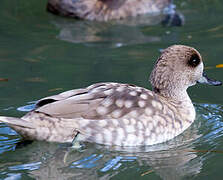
x=98, y=101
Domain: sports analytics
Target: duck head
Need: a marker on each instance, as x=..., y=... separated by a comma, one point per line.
x=178, y=68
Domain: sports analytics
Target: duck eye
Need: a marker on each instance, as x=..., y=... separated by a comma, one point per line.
x=194, y=60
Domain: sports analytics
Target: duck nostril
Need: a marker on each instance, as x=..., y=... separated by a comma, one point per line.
x=206, y=80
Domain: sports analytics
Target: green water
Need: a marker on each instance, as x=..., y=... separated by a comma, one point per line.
x=42, y=54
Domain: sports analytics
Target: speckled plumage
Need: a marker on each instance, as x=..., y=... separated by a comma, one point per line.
x=104, y=10
x=121, y=114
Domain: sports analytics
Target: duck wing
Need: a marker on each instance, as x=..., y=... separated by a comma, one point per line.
x=98, y=101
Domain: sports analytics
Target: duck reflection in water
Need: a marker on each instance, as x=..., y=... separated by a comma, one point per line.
x=175, y=159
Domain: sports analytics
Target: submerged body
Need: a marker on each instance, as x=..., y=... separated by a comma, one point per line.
x=121, y=114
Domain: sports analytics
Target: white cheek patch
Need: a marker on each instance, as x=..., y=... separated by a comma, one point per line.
x=200, y=70
x=201, y=66
x=198, y=74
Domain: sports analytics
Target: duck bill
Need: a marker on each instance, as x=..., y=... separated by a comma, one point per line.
x=205, y=80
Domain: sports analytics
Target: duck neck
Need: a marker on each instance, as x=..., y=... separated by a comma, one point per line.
x=182, y=101
x=176, y=95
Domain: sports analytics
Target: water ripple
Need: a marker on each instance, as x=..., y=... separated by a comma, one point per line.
x=29, y=166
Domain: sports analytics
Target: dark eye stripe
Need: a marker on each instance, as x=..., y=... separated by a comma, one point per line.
x=194, y=60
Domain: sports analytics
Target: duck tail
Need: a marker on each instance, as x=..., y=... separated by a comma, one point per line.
x=77, y=9
x=81, y=9
x=45, y=129
x=16, y=122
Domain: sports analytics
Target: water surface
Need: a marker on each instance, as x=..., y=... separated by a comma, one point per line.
x=42, y=54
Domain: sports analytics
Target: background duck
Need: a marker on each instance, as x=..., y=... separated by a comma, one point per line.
x=104, y=10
